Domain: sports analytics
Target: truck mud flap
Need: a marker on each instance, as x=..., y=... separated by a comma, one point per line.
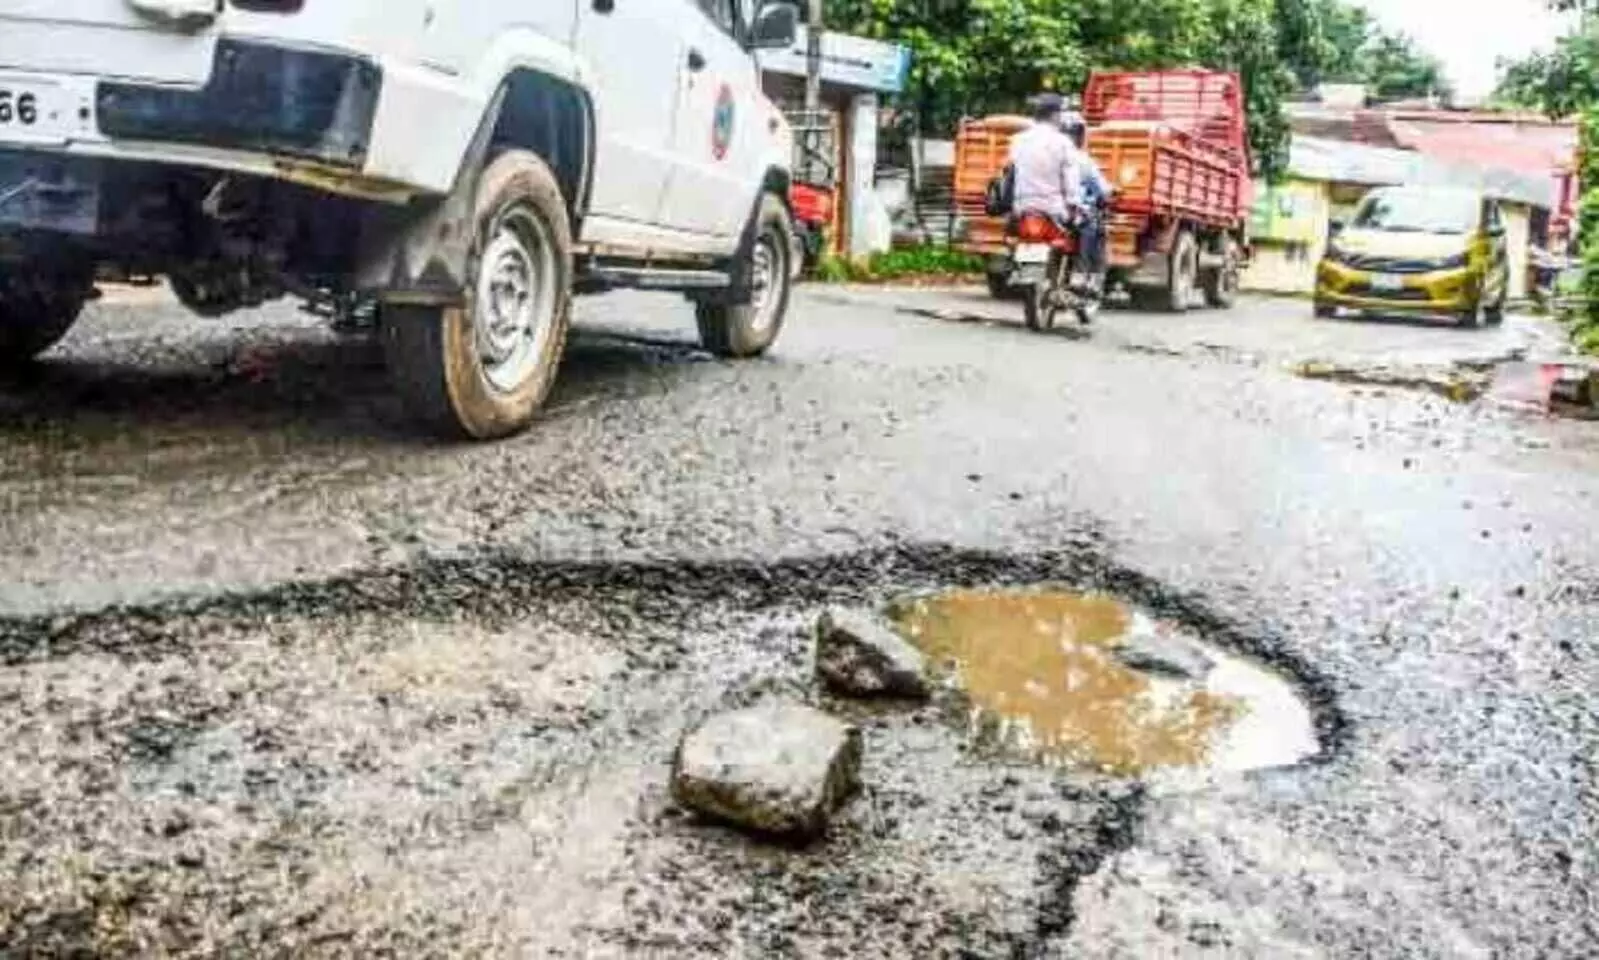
x=421, y=253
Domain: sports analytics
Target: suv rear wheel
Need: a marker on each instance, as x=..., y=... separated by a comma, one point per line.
x=482, y=370
x=33, y=319
x=766, y=268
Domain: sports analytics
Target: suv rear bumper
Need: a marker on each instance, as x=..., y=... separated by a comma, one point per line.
x=333, y=121
x=311, y=105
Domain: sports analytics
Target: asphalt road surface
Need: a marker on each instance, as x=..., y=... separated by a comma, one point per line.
x=279, y=678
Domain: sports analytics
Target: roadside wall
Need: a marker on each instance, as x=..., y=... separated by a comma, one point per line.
x=1288, y=227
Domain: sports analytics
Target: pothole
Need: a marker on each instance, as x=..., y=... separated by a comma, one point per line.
x=1457, y=383
x=1045, y=675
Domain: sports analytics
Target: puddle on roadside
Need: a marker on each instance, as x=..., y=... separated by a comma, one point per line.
x=1040, y=670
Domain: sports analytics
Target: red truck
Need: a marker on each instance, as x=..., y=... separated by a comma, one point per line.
x=1174, y=145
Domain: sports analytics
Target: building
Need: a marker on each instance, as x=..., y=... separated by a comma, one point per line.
x=1326, y=179
x=856, y=75
x=1525, y=144
x=1342, y=149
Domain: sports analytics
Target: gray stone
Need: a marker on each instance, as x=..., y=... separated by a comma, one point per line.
x=778, y=769
x=1166, y=655
x=858, y=655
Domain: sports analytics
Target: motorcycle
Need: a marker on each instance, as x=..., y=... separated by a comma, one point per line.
x=1043, y=258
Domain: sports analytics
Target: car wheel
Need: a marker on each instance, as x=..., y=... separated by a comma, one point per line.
x=749, y=329
x=34, y=319
x=1473, y=316
x=1496, y=313
x=482, y=370
x=1183, y=275
x=1325, y=311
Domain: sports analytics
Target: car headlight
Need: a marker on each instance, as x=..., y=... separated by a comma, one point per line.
x=1455, y=262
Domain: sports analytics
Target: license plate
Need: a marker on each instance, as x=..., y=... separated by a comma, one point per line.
x=1387, y=283
x=35, y=111
x=1032, y=253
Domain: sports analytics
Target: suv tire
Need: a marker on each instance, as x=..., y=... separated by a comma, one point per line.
x=764, y=269
x=481, y=371
x=32, y=321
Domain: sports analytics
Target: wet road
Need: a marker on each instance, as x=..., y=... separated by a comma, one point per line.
x=278, y=677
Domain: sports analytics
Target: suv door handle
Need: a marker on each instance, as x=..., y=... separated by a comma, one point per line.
x=696, y=61
x=185, y=14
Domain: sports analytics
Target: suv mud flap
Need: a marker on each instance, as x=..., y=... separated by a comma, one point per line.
x=421, y=253
x=49, y=196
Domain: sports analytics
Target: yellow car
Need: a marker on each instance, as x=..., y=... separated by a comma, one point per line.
x=1418, y=250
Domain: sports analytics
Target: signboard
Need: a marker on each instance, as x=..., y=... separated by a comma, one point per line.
x=1286, y=213
x=847, y=61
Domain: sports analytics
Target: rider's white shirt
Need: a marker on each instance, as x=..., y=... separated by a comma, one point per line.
x=1048, y=178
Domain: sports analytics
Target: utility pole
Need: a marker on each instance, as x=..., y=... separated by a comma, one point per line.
x=813, y=58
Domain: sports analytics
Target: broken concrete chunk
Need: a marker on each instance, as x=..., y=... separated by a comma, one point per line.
x=778, y=769
x=1166, y=655
x=858, y=655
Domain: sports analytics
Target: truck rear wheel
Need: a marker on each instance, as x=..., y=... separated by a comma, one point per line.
x=482, y=370
x=749, y=329
x=34, y=320
x=1182, y=275
x=1221, y=283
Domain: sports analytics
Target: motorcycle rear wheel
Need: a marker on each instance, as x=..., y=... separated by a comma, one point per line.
x=1038, y=307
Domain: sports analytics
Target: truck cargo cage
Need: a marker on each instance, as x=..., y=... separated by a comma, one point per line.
x=1207, y=105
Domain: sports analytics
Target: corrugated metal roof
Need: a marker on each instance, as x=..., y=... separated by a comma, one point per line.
x=1313, y=158
x=1537, y=149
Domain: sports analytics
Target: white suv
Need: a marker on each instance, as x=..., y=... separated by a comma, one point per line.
x=466, y=166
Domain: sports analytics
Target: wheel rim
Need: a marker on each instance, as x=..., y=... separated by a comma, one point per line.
x=767, y=275
x=514, y=306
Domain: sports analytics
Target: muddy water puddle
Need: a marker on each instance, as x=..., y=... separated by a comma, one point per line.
x=1042, y=672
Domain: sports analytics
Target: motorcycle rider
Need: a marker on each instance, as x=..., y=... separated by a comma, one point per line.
x=1095, y=193
x=1044, y=162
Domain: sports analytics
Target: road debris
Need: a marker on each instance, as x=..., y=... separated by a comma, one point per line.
x=776, y=769
x=1525, y=386
x=856, y=655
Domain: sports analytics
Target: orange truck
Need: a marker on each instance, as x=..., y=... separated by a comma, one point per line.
x=1174, y=146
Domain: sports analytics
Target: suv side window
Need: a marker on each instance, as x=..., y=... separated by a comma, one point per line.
x=723, y=13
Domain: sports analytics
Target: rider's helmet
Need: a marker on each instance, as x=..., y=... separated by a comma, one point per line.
x=1074, y=126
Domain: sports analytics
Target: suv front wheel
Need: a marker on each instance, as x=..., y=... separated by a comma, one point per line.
x=482, y=370
x=765, y=271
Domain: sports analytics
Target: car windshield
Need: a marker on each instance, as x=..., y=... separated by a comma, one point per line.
x=1418, y=211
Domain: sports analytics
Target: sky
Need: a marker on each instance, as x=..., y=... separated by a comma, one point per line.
x=1470, y=35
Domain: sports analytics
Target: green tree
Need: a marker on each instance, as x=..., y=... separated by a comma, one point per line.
x=1395, y=69
x=1561, y=83
x=973, y=57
